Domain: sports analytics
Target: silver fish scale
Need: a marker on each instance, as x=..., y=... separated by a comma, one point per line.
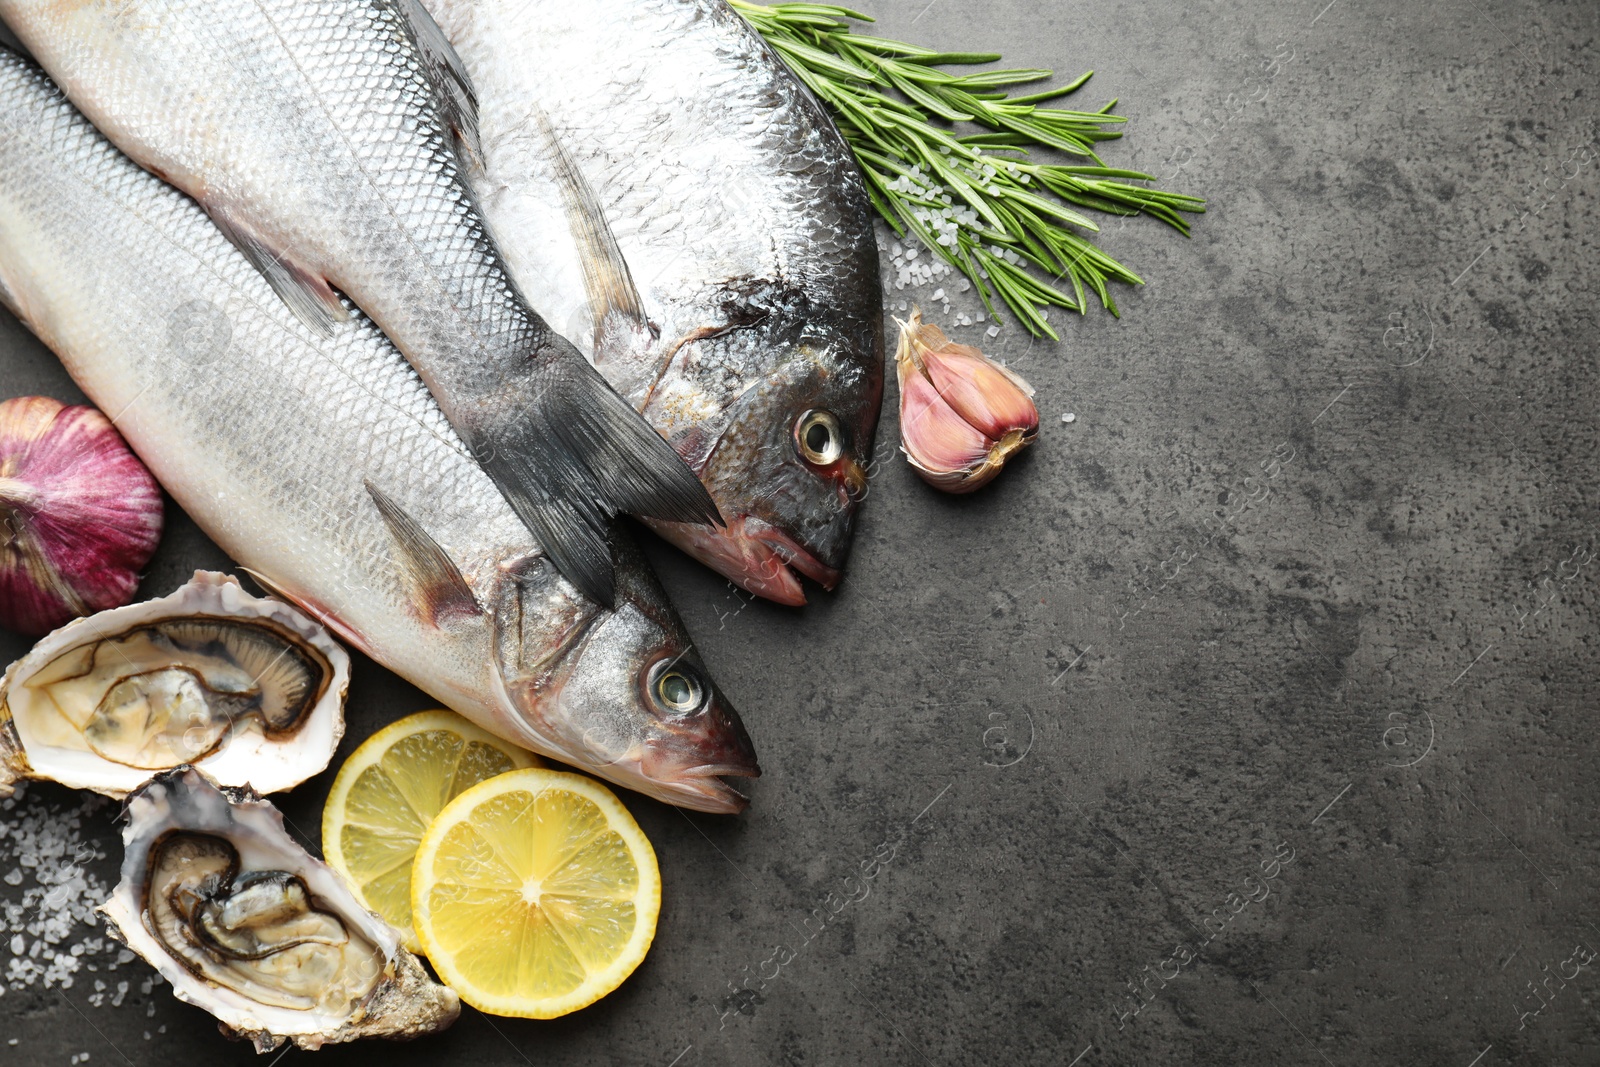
x=370, y=195
x=731, y=196
x=777, y=207
x=731, y=178
x=268, y=434
x=228, y=325
x=383, y=103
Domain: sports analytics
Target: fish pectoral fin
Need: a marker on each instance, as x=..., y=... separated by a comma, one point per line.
x=307, y=293
x=621, y=326
x=438, y=590
x=449, y=74
x=571, y=453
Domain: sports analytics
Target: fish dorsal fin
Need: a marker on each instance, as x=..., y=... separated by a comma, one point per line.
x=449, y=74
x=438, y=590
x=308, y=295
x=614, y=302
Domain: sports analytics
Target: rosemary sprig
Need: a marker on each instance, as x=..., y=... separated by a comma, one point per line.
x=978, y=200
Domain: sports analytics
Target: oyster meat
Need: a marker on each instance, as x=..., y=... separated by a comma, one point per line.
x=246, y=924
x=247, y=688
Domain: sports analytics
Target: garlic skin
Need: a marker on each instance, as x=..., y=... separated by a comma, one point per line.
x=79, y=515
x=962, y=415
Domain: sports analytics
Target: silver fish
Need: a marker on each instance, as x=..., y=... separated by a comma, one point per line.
x=725, y=273
x=323, y=465
x=321, y=137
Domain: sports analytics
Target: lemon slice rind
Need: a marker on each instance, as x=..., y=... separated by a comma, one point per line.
x=401, y=839
x=464, y=919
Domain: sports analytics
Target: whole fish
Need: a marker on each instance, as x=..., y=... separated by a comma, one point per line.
x=323, y=465
x=725, y=271
x=322, y=138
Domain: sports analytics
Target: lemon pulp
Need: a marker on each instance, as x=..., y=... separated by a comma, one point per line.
x=389, y=791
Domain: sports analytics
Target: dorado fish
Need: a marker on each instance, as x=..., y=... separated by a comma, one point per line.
x=724, y=272
x=322, y=139
x=322, y=464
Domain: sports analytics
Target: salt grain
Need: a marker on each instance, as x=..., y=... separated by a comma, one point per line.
x=51, y=931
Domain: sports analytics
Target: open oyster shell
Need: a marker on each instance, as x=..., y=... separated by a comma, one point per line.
x=246, y=688
x=249, y=926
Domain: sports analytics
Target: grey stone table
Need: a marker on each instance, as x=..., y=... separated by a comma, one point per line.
x=1313, y=783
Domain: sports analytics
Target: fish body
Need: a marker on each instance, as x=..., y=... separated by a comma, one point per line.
x=323, y=138
x=323, y=466
x=745, y=230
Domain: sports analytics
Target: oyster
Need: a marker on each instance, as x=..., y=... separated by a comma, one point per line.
x=246, y=924
x=248, y=689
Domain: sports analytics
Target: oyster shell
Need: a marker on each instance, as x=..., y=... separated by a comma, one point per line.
x=246, y=924
x=249, y=689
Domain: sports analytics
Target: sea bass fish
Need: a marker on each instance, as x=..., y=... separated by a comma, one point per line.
x=323, y=465
x=322, y=137
x=724, y=273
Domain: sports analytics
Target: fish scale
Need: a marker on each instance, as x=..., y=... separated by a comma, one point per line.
x=731, y=196
x=322, y=137
x=273, y=438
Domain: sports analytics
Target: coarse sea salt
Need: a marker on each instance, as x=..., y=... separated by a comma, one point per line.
x=52, y=934
x=907, y=269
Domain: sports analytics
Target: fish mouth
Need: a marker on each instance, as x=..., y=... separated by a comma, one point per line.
x=754, y=555
x=703, y=789
x=686, y=762
x=678, y=777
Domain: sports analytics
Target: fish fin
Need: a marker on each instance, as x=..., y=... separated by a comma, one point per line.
x=325, y=616
x=9, y=302
x=437, y=586
x=576, y=453
x=614, y=301
x=308, y=295
x=444, y=65
x=272, y=588
x=570, y=529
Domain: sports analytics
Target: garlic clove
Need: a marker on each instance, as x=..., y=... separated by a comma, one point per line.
x=932, y=435
x=79, y=514
x=987, y=395
x=962, y=416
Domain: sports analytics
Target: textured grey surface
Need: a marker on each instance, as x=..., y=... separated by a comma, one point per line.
x=1108, y=713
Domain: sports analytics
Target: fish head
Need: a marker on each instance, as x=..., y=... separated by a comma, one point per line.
x=787, y=464
x=621, y=693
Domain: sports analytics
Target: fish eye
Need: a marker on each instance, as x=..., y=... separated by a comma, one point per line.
x=676, y=688
x=820, y=437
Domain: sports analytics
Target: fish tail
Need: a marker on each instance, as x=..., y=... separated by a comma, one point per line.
x=576, y=454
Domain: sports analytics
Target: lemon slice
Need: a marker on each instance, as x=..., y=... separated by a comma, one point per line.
x=535, y=894
x=391, y=788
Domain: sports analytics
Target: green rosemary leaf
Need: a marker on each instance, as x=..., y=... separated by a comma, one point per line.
x=926, y=99
x=946, y=157
x=961, y=59
x=1056, y=93
x=995, y=78
x=816, y=58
